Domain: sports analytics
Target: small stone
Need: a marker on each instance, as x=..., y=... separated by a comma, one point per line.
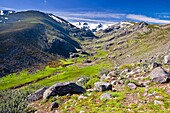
x=114, y=82
x=167, y=59
x=68, y=95
x=103, y=77
x=145, y=94
x=158, y=97
x=105, y=96
x=90, y=90
x=114, y=89
x=132, y=86
x=81, y=112
x=157, y=102
x=152, y=94
x=82, y=97
x=56, y=111
x=144, y=84
x=54, y=105
x=102, y=86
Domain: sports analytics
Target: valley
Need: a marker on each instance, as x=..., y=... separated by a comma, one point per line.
x=124, y=68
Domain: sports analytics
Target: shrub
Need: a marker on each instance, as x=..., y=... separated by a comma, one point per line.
x=90, y=83
x=103, y=71
x=14, y=101
x=126, y=66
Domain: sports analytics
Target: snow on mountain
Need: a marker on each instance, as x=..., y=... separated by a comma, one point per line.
x=94, y=27
x=125, y=23
x=58, y=19
x=6, y=12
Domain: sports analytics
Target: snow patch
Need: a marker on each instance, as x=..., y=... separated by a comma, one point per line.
x=56, y=18
x=94, y=27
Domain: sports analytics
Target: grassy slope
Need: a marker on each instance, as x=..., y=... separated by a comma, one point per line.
x=150, y=43
x=136, y=45
x=59, y=74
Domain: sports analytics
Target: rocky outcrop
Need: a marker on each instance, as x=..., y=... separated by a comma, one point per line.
x=159, y=75
x=63, y=89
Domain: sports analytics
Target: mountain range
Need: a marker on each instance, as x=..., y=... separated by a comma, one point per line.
x=49, y=65
x=33, y=38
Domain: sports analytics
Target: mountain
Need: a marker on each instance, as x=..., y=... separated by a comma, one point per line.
x=31, y=38
x=123, y=68
x=94, y=27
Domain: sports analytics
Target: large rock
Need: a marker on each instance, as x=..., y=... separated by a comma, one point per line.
x=102, y=86
x=167, y=59
x=159, y=75
x=63, y=89
x=37, y=95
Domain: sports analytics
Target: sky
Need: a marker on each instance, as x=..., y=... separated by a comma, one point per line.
x=97, y=11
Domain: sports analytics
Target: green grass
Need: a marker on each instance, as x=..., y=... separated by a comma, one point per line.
x=67, y=61
x=126, y=66
x=72, y=72
x=93, y=103
x=18, y=79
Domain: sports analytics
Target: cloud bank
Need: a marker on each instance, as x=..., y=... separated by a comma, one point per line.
x=6, y=8
x=146, y=19
x=107, y=17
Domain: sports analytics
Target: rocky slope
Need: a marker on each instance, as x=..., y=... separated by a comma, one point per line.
x=31, y=38
x=131, y=42
x=126, y=69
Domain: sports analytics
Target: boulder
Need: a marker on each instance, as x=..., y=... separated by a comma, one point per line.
x=106, y=96
x=102, y=86
x=132, y=85
x=159, y=75
x=167, y=59
x=63, y=89
x=37, y=95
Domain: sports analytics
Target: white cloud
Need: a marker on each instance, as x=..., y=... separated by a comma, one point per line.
x=146, y=19
x=91, y=14
x=6, y=8
x=106, y=17
x=86, y=20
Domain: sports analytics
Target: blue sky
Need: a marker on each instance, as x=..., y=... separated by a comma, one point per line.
x=98, y=11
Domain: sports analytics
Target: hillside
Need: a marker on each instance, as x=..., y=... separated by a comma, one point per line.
x=128, y=42
x=124, y=68
x=31, y=38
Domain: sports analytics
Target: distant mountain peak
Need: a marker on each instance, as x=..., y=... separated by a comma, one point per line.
x=6, y=12
x=94, y=27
